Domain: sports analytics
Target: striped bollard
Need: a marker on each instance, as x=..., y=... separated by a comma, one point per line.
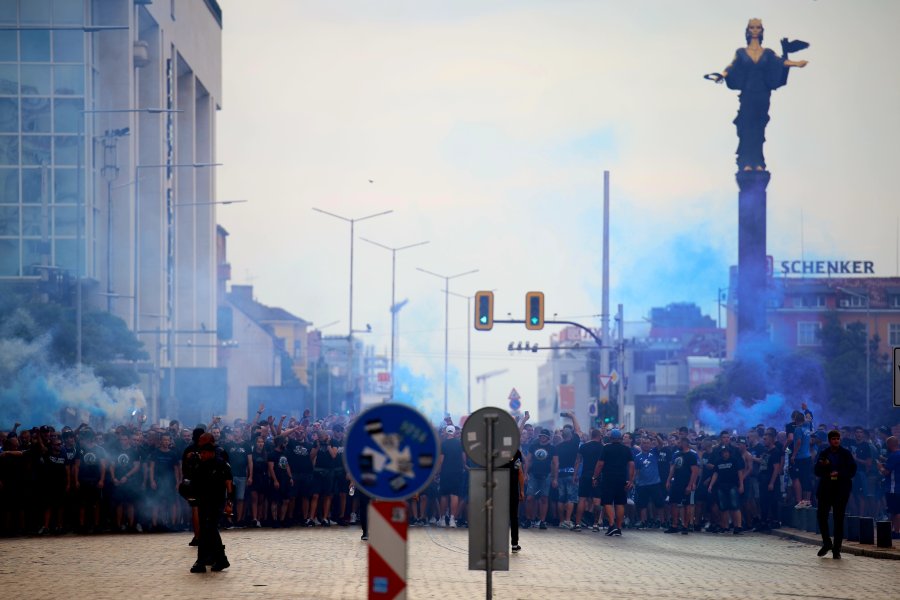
x=387, y=550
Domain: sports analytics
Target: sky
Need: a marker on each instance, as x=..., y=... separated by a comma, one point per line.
x=486, y=128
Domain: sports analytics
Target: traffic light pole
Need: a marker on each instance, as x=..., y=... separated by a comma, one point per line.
x=584, y=328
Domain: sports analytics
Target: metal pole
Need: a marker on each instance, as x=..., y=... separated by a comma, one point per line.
x=621, y=364
x=868, y=361
x=604, y=317
x=468, y=358
x=351, y=380
x=489, y=504
x=446, y=336
x=109, y=224
x=79, y=311
x=393, y=317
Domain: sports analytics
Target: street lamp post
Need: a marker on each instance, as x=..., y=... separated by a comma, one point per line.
x=446, y=279
x=394, y=307
x=865, y=297
x=350, y=380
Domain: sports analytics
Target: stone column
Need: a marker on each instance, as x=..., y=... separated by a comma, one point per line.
x=751, y=287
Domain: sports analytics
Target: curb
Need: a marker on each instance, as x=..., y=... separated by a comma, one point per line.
x=847, y=548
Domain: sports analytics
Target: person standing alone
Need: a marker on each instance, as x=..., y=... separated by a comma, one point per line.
x=835, y=468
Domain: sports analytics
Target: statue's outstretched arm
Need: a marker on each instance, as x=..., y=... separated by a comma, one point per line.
x=796, y=63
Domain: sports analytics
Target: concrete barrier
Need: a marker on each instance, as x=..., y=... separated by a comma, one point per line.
x=852, y=523
x=883, y=531
x=867, y=530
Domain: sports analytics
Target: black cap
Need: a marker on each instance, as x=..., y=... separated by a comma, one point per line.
x=545, y=432
x=885, y=430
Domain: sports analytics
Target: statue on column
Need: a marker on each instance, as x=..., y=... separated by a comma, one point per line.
x=756, y=71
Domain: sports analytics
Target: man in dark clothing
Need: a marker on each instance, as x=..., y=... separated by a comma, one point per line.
x=588, y=494
x=616, y=465
x=835, y=468
x=210, y=482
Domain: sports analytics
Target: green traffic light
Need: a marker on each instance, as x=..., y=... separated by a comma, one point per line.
x=483, y=319
x=534, y=320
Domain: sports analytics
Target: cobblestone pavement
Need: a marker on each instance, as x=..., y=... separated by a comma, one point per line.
x=331, y=564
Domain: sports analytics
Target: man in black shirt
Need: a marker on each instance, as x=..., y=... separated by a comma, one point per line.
x=279, y=469
x=728, y=483
x=125, y=472
x=300, y=455
x=588, y=493
x=211, y=481
x=451, y=468
x=238, y=455
x=90, y=475
x=616, y=466
x=771, y=466
x=542, y=470
x=567, y=457
x=681, y=483
x=835, y=468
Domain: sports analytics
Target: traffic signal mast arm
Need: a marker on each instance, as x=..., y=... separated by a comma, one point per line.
x=573, y=323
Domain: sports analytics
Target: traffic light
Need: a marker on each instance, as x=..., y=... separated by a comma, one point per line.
x=609, y=412
x=534, y=310
x=484, y=311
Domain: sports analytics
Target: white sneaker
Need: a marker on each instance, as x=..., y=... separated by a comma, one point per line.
x=317, y=523
x=330, y=522
x=352, y=518
x=138, y=528
x=452, y=523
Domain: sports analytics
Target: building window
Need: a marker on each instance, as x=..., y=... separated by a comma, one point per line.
x=808, y=333
x=563, y=378
x=895, y=301
x=894, y=335
x=857, y=301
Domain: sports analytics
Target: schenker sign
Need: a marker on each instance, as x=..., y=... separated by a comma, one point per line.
x=827, y=267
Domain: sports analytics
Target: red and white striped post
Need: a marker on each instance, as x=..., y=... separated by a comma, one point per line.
x=388, y=525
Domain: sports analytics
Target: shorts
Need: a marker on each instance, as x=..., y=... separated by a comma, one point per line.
x=645, y=494
x=260, y=484
x=303, y=485
x=451, y=484
x=323, y=482
x=677, y=495
x=860, y=484
x=893, y=504
x=282, y=492
x=566, y=489
x=89, y=494
x=613, y=492
x=537, y=487
x=802, y=470
x=125, y=494
x=587, y=489
x=728, y=497
x=240, y=488
x=165, y=491
x=872, y=484
x=751, y=489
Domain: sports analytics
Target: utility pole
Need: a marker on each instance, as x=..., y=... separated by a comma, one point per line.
x=604, y=316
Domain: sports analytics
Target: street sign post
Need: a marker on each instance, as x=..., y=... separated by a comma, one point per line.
x=390, y=454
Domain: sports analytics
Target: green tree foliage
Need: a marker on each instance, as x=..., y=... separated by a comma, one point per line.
x=108, y=346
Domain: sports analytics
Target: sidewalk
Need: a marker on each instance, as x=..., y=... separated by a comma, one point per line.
x=847, y=547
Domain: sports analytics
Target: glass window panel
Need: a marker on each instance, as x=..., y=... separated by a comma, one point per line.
x=36, y=115
x=66, y=149
x=35, y=11
x=68, y=80
x=64, y=220
x=9, y=46
x=35, y=46
x=68, y=12
x=31, y=220
x=8, y=11
x=9, y=186
x=9, y=115
x=67, y=114
x=35, y=80
x=9, y=258
x=65, y=254
x=9, y=220
x=35, y=150
x=31, y=256
x=9, y=80
x=65, y=183
x=9, y=149
x=32, y=186
x=68, y=46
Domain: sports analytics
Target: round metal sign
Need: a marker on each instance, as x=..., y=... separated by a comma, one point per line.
x=506, y=436
x=391, y=452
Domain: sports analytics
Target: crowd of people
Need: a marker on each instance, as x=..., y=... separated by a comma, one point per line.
x=290, y=473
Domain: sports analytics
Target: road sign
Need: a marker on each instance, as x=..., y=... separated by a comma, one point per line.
x=388, y=522
x=515, y=404
x=604, y=381
x=506, y=436
x=896, y=377
x=614, y=377
x=592, y=409
x=514, y=395
x=391, y=452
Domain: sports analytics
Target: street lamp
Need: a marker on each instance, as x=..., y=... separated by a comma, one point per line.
x=350, y=380
x=79, y=299
x=394, y=307
x=868, y=347
x=446, y=279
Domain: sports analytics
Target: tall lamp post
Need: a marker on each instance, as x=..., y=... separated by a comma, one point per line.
x=865, y=297
x=350, y=379
x=446, y=279
x=394, y=307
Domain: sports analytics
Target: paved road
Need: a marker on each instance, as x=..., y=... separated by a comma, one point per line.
x=330, y=564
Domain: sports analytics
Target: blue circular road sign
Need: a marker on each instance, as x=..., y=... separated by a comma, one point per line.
x=391, y=452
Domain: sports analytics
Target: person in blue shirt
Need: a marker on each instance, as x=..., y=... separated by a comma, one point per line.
x=648, y=486
x=891, y=471
x=801, y=460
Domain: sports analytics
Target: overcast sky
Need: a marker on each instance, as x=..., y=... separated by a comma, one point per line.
x=486, y=128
